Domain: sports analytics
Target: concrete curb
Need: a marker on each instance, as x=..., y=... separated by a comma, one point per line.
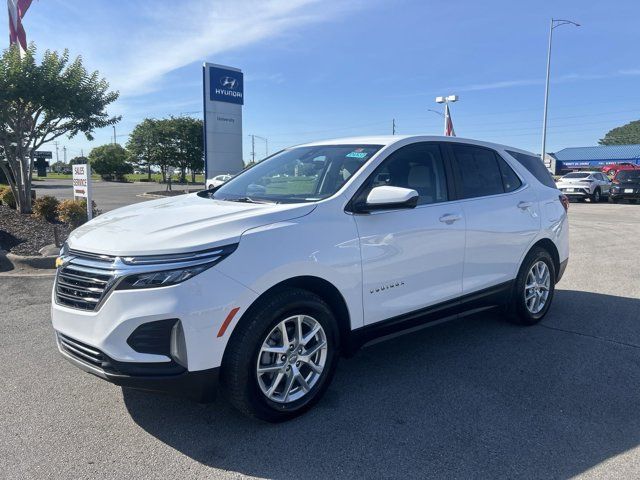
x=11, y=263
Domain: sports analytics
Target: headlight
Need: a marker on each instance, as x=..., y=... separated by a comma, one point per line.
x=154, y=276
x=161, y=279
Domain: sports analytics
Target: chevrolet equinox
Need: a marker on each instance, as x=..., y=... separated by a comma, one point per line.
x=258, y=285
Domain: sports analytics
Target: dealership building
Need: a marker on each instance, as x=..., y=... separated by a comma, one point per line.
x=594, y=158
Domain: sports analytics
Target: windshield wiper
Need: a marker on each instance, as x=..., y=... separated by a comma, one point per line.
x=246, y=200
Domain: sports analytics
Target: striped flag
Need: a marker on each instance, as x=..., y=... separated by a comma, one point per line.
x=448, y=123
x=17, y=9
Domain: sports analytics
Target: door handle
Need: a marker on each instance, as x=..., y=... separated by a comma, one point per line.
x=524, y=205
x=449, y=218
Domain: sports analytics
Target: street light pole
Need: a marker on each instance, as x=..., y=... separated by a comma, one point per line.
x=253, y=146
x=554, y=24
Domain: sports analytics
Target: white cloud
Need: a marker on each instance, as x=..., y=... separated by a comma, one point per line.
x=135, y=46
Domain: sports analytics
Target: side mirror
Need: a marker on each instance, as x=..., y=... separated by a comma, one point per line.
x=388, y=198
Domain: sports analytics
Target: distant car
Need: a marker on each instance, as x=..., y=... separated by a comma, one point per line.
x=218, y=180
x=626, y=186
x=582, y=185
x=613, y=169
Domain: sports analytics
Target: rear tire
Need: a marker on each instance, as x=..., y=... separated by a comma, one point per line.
x=596, y=196
x=533, y=289
x=268, y=348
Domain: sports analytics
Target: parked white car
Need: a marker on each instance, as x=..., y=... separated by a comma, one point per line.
x=217, y=181
x=262, y=284
x=582, y=185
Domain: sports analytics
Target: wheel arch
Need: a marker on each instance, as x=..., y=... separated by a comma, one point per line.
x=320, y=287
x=550, y=247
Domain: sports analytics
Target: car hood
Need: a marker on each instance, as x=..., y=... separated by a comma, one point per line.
x=177, y=225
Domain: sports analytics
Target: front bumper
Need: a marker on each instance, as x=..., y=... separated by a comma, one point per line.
x=166, y=377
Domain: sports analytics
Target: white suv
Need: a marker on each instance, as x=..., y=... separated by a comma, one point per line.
x=261, y=283
x=582, y=185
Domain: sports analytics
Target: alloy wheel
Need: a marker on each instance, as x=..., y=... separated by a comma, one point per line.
x=537, y=285
x=291, y=359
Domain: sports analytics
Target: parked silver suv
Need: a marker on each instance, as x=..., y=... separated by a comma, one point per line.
x=582, y=185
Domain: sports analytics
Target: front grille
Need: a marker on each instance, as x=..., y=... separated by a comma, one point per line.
x=84, y=282
x=81, y=351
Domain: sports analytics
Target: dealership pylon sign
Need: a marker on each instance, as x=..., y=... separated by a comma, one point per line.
x=223, y=97
x=82, y=185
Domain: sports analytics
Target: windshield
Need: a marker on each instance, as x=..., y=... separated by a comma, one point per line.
x=576, y=175
x=629, y=176
x=301, y=174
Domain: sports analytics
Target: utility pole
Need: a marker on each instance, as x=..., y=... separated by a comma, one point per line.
x=554, y=24
x=393, y=127
x=253, y=148
x=114, y=134
x=64, y=154
x=82, y=152
x=56, y=144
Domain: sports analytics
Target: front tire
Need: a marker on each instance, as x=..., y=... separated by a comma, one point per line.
x=534, y=288
x=282, y=357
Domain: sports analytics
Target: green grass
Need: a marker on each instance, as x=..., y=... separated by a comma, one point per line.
x=292, y=185
x=61, y=176
x=156, y=177
x=132, y=177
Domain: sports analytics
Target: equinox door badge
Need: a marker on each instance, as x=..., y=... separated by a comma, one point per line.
x=387, y=287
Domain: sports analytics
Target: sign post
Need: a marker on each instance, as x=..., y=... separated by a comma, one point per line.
x=82, y=185
x=223, y=97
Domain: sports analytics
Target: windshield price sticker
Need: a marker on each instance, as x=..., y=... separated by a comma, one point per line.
x=357, y=155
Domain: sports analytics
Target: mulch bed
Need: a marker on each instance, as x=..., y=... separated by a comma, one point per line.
x=26, y=234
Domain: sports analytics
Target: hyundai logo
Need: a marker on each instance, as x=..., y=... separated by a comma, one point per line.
x=228, y=82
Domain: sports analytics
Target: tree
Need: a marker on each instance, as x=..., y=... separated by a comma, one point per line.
x=41, y=102
x=624, y=135
x=110, y=161
x=79, y=160
x=170, y=142
x=142, y=145
x=59, y=167
x=188, y=142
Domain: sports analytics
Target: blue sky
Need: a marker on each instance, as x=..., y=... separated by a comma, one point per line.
x=319, y=69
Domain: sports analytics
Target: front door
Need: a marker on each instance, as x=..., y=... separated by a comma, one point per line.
x=411, y=258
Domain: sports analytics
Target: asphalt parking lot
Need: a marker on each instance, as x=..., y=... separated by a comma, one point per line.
x=472, y=398
x=107, y=195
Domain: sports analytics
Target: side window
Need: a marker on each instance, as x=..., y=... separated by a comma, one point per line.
x=535, y=167
x=419, y=167
x=478, y=170
x=510, y=180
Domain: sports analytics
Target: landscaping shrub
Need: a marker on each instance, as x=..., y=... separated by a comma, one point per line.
x=46, y=207
x=7, y=198
x=74, y=212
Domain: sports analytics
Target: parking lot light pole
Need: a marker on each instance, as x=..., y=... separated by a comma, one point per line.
x=554, y=24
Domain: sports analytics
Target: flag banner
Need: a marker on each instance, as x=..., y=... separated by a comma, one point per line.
x=17, y=10
x=448, y=123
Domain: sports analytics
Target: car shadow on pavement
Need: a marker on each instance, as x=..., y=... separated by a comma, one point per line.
x=475, y=397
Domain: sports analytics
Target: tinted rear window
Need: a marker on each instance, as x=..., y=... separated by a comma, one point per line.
x=576, y=175
x=629, y=175
x=478, y=171
x=535, y=167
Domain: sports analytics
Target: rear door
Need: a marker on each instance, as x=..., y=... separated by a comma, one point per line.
x=501, y=213
x=412, y=258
